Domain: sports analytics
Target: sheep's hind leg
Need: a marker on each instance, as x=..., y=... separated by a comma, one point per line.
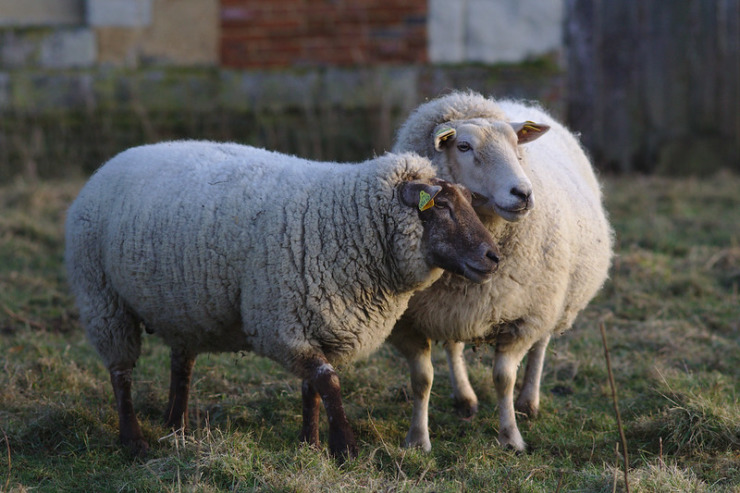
x=116, y=335
x=325, y=382
x=311, y=406
x=181, y=372
x=466, y=402
x=528, y=402
x=129, y=429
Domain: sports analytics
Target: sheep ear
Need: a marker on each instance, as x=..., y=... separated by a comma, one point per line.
x=529, y=131
x=443, y=134
x=419, y=194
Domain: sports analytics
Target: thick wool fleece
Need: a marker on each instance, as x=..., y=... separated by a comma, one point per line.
x=553, y=261
x=223, y=247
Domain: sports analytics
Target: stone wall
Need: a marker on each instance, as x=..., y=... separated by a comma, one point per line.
x=64, y=122
x=83, y=79
x=108, y=33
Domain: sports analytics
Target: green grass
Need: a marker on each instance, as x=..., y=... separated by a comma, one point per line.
x=671, y=311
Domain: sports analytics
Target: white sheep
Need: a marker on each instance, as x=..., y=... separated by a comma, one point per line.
x=222, y=247
x=555, y=255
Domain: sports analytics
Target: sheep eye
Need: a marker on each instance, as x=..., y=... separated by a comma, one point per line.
x=463, y=147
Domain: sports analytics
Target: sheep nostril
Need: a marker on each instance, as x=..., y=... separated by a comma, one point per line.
x=523, y=195
x=492, y=255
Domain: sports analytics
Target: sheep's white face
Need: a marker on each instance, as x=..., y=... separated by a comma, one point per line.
x=485, y=156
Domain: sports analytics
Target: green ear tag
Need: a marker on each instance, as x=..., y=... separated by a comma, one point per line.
x=425, y=201
x=444, y=134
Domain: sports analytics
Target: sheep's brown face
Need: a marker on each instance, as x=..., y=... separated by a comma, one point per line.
x=454, y=239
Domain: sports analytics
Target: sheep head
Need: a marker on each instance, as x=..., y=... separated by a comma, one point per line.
x=485, y=156
x=454, y=239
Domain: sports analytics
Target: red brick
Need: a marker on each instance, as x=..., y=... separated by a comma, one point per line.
x=345, y=32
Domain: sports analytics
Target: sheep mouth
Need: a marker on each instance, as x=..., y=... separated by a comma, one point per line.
x=477, y=272
x=512, y=214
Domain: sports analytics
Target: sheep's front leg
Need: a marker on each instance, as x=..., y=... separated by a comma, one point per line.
x=325, y=382
x=466, y=402
x=311, y=402
x=181, y=371
x=128, y=426
x=417, y=350
x=504, y=377
x=528, y=401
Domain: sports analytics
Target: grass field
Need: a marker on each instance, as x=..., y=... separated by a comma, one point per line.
x=671, y=312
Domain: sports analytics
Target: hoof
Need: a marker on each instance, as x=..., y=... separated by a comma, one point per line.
x=513, y=442
x=342, y=447
x=139, y=448
x=527, y=409
x=311, y=439
x=516, y=451
x=466, y=409
x=421, y=443
x=345, y=453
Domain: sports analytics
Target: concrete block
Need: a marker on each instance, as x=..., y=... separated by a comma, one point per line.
x=26, y=13
x=68, y=48
x=118, y=46
x=18, y=49
x=512, y=30
x=446, y=31
x=493, y=31
x=121, y=13
x=182, y=32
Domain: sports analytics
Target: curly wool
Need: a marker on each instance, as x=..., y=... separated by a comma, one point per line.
x=223, y=247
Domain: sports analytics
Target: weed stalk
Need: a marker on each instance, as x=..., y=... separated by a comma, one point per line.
x=616, y=407
x=10, y=463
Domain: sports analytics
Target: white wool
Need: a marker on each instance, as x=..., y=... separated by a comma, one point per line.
x=223, y=247
x=553, y=260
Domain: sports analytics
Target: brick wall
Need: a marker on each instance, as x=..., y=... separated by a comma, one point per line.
x=283, y=33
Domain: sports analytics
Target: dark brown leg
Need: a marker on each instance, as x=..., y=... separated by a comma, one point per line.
x=311, y=406
x=129, y=430
x=325, y=382
x=181, y=371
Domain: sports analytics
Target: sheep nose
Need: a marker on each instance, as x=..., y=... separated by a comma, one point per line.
x=491, y=255
x=524, y=195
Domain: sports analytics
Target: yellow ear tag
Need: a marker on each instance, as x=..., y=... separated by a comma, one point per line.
x=444, y=134
x=529, y=126
x=426, y=201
